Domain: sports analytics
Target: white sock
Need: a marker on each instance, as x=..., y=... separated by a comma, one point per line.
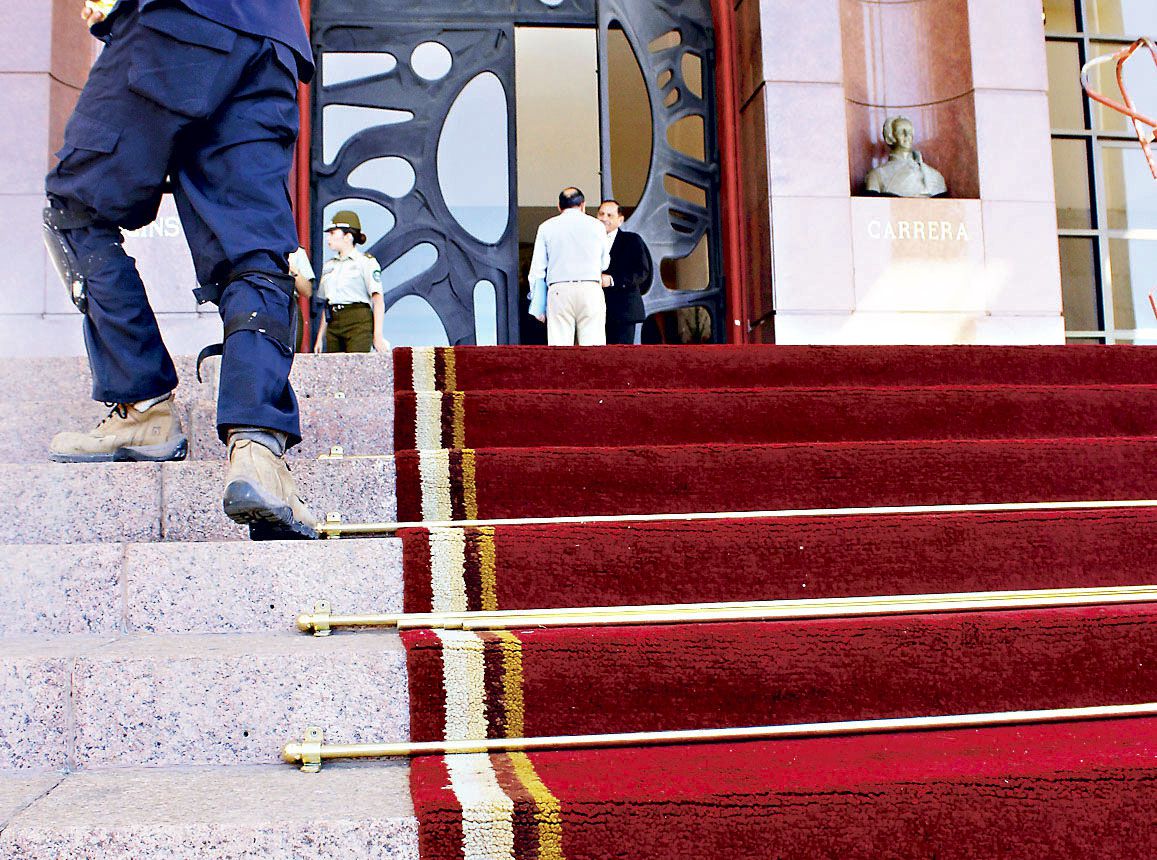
x=145, y=405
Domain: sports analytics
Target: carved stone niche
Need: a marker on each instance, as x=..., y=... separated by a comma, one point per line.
x=912, y=59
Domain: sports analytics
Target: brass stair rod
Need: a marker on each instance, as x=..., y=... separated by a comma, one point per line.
x=335, y=528
x=321, y=622
x=311, y=752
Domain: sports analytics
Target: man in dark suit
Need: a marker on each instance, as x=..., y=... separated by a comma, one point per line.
x=627, y=277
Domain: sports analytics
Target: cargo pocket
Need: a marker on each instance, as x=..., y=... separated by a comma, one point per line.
x=176, y=59
x=85, y=139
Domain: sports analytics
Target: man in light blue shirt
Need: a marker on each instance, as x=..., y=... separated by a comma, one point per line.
x=566, y=274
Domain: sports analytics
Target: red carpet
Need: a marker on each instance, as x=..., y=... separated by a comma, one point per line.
x=1075, y=790
x=486, y=433
x=501, y=419
x=466, y=368
x=555, y=482
x=578, y=681
x=527, y=567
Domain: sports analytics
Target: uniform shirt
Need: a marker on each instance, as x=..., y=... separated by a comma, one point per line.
x=279, y=20
x=350, y=280
x=572, y=246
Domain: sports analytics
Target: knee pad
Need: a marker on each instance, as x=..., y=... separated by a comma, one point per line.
x=69, y=266
x=276, y=330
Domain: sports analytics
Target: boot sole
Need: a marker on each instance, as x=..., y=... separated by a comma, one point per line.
x=247, y=505
x=167, y=452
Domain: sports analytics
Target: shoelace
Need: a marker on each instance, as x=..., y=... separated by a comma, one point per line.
x=121, y=410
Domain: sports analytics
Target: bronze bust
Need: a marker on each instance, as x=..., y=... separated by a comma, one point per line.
x=904, y=174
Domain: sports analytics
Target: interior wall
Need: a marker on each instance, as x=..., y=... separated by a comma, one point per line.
x=557, y=103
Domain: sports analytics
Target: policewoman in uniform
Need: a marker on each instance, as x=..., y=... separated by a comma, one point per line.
x=351, y=286
x=203, y=92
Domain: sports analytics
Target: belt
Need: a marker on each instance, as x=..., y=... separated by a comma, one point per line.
x=558, y=283
x=336, y=308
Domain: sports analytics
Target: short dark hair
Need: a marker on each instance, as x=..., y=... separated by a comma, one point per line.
x=618, y=206
x=571, y=198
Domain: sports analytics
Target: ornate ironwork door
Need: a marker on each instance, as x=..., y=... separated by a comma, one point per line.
x=678, y=215
x=393, y=144
x=404, y=111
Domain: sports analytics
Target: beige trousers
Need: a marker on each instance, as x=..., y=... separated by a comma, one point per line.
x=576, y=312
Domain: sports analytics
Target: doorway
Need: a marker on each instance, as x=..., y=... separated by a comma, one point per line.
x=451, y=129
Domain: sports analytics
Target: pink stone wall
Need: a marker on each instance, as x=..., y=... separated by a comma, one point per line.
x=971, y=74
x=45, y=55
x=43, y=63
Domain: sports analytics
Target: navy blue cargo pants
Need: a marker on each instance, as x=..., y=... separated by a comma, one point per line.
x=174, y=94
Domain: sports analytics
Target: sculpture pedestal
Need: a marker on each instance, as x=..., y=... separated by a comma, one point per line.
x=930, y=271
x=918, y=255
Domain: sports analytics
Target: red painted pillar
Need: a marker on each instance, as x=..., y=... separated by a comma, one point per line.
x=727, y=108
x=302, y=182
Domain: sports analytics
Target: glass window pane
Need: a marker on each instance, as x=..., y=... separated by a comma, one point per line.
x=1130, y=193
x=342, y=122
x=1122, y=17
x=411, y=321
x=1060, y=16
x=1066, y=100
x=1071, y=176
x=1079, y=284
x=485, y=314
x=1133, y=263
x=474, y=159
x=341, y=68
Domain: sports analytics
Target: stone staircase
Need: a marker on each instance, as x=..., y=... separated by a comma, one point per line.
x=149, y=669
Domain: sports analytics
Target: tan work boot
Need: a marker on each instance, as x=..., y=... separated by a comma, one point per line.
x=261, y=493
x=128, y=433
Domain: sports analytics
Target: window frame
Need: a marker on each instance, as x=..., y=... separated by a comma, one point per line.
x=1095, y=140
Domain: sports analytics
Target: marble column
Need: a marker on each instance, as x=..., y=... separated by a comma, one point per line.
x=817, y=82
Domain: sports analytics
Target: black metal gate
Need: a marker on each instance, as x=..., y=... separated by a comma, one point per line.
x=391, y=74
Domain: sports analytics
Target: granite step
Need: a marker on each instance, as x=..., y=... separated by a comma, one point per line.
x=92, y=702
x=358, y=424
x=68, y=379
x=147, y=502
x=223, y=813
x=210, y=587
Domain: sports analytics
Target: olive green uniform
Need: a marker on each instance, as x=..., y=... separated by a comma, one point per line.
x=347, y=284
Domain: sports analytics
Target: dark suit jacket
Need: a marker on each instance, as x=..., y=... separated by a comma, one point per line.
x=632, y=271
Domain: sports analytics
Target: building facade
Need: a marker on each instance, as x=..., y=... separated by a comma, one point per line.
x=738, y=134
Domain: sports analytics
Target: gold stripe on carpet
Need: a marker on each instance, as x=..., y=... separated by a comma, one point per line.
x=458, y=419
x=512, y=701
x=548, y=812
x=469, y=485
x=488, y=560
